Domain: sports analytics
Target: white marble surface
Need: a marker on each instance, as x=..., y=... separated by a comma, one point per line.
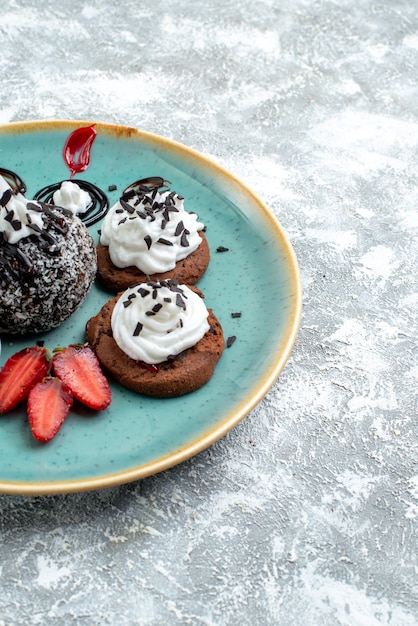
x=306, y=513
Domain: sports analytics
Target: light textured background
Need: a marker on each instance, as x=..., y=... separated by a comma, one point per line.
x=307, y=512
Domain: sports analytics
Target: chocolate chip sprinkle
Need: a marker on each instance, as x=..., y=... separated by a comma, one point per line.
x=173, y=285
x=179, y=228
x=180, y=302
x=230, y=341
x=129, y=299
x=127, y=207
x=184, y=242
x=6, y=197
x=138, y=329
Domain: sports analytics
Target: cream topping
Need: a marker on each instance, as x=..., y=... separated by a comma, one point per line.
x=70, y=196
x=151, y=230
x=19, y=217
x=155, y=321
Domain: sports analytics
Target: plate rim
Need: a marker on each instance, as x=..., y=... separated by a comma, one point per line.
x=251, y=398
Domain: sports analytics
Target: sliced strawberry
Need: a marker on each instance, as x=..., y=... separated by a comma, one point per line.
x=20, y=373
x=49, y=403
x=78, y=367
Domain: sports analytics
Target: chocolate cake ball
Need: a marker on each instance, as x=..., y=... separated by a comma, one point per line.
x=47, y=264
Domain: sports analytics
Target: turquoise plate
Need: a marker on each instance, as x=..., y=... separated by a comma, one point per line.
x=258, y=276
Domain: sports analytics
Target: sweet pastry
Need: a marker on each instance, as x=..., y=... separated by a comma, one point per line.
x=148, y=234
x=157, y=338
x=47, y=263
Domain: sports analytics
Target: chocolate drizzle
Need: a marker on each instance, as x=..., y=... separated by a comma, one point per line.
x=15, y=182
x=152, y=183
x=97, y=208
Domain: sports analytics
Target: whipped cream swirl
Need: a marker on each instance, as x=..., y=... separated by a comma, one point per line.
x=151, y=230
x=155, y=321
x=19, y=217
x=70, y=196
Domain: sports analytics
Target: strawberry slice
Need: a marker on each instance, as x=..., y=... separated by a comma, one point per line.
x=78, y=367
x=49, y=403
x=20, y=373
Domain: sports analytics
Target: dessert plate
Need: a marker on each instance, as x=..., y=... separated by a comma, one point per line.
x=257, y=275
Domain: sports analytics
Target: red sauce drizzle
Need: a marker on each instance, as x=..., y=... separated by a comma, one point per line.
x=148, y=366
x=77, y=149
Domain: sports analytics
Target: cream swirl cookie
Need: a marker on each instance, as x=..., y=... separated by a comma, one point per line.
x=148, y=233
x=157, y=338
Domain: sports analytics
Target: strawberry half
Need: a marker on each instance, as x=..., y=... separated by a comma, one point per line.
x=20, y=373
x=78, y=367
x=49, y=403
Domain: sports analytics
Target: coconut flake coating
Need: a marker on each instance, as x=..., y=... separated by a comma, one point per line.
x=44, y=289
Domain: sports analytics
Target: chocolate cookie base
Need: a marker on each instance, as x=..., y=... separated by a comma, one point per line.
x=187, y=372
x=187, y=271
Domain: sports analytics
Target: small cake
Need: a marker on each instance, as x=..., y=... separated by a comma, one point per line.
x=47, y=262
x=149, y=234
x=157, y=338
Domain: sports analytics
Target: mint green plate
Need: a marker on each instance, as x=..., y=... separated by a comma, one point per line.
x=258, y=276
